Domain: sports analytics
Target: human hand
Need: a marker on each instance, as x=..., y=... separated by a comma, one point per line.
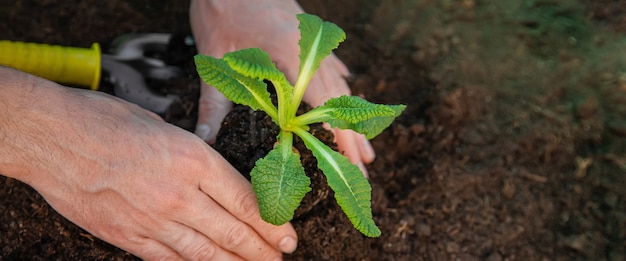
x=225, y=26
x=131, y=179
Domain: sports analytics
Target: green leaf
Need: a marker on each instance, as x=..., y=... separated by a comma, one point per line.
x=317, y=39
x=352, y=190
x=235, y=86
x=254, y=62
x=279, y=182
x=352, y=112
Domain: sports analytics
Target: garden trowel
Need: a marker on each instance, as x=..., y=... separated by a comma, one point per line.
x=133, y=61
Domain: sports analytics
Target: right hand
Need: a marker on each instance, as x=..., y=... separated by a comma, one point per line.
x=129, y=178
x=224, y=26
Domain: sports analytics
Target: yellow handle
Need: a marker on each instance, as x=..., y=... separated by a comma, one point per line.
x=70, y=65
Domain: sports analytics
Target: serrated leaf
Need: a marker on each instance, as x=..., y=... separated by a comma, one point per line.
x=352, y=190
x=255, y=63
x=280, y=183
x=235, y=86
x=352, y=112
x=318, y=39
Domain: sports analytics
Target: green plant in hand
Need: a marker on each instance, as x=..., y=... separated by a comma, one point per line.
x=278, y=179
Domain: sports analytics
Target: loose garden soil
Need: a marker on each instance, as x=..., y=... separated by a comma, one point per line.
x=513, y=145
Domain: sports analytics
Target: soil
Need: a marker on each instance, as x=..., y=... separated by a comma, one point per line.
x=513, y=145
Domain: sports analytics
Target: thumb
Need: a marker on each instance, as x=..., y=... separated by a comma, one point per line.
x=213, y=107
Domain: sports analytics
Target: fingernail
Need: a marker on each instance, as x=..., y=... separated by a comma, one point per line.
x=203, y=131
x=288, y=245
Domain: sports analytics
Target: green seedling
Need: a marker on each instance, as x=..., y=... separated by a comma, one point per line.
x=278, y=179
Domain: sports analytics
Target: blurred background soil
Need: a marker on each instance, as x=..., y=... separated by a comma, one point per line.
x=513, y=145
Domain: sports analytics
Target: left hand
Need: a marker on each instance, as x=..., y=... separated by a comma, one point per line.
x=129, y=178
x=225, y=26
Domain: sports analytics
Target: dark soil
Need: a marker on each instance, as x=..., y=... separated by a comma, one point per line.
x=513, y=145
x=254, y=134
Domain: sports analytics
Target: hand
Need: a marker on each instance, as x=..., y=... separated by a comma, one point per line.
x=224, y=26
x=131, y=179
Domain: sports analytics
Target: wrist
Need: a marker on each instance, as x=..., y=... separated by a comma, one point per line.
x=27, y=101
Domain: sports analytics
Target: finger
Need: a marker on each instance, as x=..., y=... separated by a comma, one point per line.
x=191, y=244
x=287, y=59
x=325, y=84
x=129, y=230
x=338, y=65
x=225, y=231
x=212, y=108
x=347, y=145
x=347, y=139
x=234, y=193
x=150, y=249
x=365, y=147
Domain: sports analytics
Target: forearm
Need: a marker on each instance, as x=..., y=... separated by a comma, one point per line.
x=29, y=109
x=16, y=90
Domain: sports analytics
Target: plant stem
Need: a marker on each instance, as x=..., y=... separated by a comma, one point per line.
x=283, y=111
x=285, y=141
x=312, y=116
